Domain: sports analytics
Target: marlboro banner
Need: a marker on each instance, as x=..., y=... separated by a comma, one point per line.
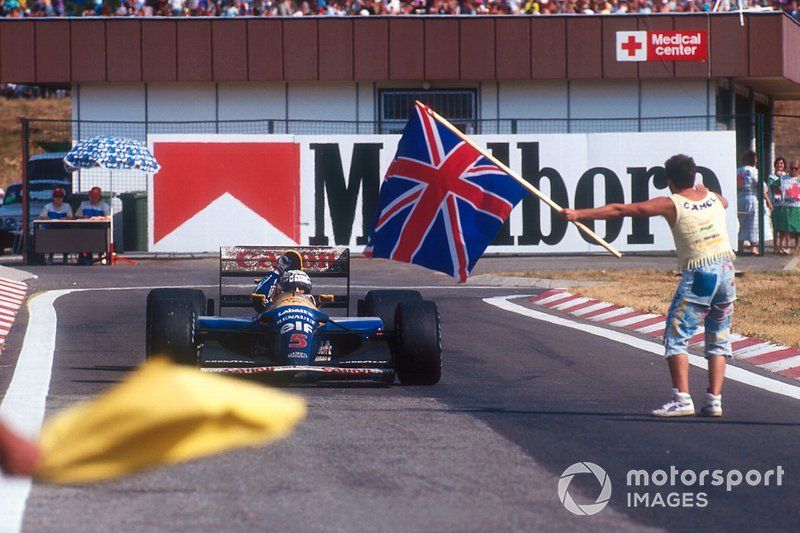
x=662, y=45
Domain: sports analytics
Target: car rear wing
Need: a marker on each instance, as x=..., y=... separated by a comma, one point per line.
x=257, y=261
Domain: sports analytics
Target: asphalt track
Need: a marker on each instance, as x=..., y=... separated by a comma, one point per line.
x=519, y=402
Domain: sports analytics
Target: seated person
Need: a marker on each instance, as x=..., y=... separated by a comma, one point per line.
x=93, y=208
x=56, y=210
x=295, y=283
x=269, y=286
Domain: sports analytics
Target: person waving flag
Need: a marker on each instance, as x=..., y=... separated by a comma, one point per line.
x=444, y=199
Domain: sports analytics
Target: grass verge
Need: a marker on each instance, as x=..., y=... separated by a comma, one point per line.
x=768, y=307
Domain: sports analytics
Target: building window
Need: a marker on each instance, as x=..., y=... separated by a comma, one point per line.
x=459, y=106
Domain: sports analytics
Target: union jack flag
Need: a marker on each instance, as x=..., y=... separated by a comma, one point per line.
x=441, y=202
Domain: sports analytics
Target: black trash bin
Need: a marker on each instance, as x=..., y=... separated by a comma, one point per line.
x=134, y=221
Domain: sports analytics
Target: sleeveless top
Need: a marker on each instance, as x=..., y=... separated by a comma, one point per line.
x=699, y=231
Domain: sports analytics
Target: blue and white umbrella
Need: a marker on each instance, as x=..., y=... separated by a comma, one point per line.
x=117, y=153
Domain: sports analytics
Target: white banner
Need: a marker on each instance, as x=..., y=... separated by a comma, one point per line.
x=322, y=189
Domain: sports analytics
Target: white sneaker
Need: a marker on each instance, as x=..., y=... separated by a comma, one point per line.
x=712, y=405
x=680, y=405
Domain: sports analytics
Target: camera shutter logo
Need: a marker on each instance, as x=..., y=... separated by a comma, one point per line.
x=591, y=508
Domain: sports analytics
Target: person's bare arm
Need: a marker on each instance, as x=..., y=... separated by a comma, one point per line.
x=651, y=208
x=18, y=455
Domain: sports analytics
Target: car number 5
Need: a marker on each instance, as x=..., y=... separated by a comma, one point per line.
x=298, y=340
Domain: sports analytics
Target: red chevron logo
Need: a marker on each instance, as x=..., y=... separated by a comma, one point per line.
x=264, y=176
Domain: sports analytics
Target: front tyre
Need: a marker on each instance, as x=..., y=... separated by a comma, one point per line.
x=418, y=353
x=173, y=331
x=193, y=297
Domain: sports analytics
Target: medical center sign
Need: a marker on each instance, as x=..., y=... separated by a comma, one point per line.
x=662, y=45
x=225, y=190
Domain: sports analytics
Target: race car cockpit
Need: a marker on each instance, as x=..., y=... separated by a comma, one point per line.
x=287, y=283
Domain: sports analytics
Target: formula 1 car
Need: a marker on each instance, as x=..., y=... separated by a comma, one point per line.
x=288, y=335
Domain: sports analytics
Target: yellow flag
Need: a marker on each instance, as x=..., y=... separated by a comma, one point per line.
x=163, y=414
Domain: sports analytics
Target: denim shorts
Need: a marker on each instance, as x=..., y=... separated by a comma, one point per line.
x=704, y=297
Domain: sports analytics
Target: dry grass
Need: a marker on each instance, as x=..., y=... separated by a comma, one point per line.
x=10, y=148
x=768, y=307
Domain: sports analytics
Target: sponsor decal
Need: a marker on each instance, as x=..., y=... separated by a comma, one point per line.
x=295, y=311
x=662, y=45
x=700, y=206
x=296, y=355
x=295, y=368
x=252, y=258
x=326, y=348
x=297, y=325
x=322, y=359
x=206, y=188
x=298, y=340
x=339, y=178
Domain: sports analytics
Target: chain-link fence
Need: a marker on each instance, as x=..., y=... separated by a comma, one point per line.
x=126, y=191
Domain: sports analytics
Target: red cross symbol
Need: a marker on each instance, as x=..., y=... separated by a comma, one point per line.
x=631, y=46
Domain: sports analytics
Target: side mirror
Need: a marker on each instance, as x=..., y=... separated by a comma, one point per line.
x=325, y=299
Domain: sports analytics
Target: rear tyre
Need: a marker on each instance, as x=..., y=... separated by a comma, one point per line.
x=173, y=331
x=418, y=352
x=191, y=297
x=383, y=304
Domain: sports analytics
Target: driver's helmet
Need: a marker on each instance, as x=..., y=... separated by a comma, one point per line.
x=296, y=280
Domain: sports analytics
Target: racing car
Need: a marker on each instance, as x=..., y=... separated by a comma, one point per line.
x=289, y=333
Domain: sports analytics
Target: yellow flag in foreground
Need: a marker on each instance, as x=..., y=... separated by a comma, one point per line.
x=163, y=414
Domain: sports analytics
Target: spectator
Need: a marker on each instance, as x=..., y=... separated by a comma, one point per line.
x=790, y=190
x=289, y=8
x=747, y=201
x=56, y=210
x=780, y=244
x=94, y=207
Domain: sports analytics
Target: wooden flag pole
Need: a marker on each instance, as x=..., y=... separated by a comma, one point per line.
x=536, y=192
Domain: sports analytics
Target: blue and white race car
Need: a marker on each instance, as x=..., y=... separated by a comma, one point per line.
x=288, y=334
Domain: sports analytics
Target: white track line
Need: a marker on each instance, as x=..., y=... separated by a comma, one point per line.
x=24, y=402
x=732, y=372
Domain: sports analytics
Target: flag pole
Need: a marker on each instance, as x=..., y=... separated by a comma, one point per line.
x=536, y=192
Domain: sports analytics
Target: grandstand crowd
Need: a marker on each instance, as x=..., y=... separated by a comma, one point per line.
x=298, y=8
